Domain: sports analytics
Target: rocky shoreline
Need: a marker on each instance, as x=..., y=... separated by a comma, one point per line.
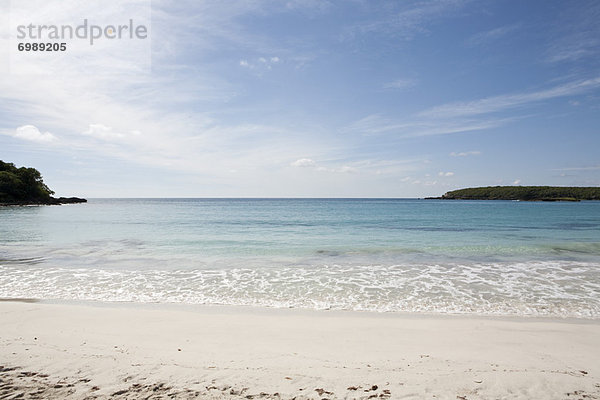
x=52, y=201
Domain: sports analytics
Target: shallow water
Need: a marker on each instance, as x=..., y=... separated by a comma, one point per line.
x=476, y=257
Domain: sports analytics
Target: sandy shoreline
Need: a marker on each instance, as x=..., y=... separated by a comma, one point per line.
x=82, y=351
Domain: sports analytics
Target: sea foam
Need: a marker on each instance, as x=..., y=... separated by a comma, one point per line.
x=554, y=289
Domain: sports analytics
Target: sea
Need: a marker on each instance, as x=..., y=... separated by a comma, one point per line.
x=493, y=258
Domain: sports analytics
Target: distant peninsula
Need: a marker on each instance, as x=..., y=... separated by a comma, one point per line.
x=25, y=186
x=524, y=193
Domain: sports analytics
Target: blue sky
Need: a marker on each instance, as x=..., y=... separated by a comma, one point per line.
x=318, y=99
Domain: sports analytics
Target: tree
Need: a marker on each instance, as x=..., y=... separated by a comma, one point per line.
x=22, y=185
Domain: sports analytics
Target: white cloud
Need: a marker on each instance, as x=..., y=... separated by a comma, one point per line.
x=464, y=116
x=446, y=173
x=309, y=163
x=304, y=162
x=347, y=169
x=260, y=63
x=504, y=102
x=311, y=6
x=103, y=132
x=590, y=168
x=129, y=103
x=491, y=35
x=33, y=134
x=183, y=110
x=400, y=84
x=373, y=124
x=376, y=125
x=517, y=182
x=579, y=33
x=582, y=50
x=465, y=153
x=410, y=20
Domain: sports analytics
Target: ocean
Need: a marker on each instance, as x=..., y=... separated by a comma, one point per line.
x=501, y=258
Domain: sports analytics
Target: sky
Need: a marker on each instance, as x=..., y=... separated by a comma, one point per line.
x=313, y=98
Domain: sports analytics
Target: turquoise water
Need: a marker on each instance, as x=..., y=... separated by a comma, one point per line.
x=477, y=257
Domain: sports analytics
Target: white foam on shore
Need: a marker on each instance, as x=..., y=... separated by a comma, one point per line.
x=534, y=288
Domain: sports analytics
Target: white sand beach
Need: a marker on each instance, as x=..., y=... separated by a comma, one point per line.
x=124, y=351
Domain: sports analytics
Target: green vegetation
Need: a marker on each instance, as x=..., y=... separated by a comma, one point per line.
x=22, y=184
x=26, y=186
x=525, y=193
